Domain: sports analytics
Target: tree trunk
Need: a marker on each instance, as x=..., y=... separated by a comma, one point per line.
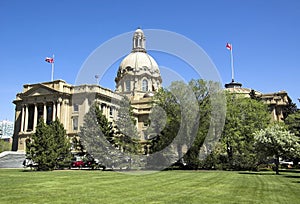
x=277, y=164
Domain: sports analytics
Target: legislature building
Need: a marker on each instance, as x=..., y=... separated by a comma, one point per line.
x=138, y=78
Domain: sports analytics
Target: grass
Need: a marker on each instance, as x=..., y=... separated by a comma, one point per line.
x=83, y=186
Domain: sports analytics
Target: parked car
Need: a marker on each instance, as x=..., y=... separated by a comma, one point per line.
x=29, y=163
x=77, y=164
x=286, y=163
x=86, y=162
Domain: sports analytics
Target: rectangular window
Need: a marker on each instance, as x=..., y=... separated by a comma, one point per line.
x=127, y=84
x=110, y=111
x=49, y=113
x=30, y=117
x=75, y=107
x=75, y=123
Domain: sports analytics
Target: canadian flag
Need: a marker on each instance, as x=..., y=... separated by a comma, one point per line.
x=49, y=60
x=228, y=46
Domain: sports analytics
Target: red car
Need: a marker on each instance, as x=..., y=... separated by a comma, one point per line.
x=78, y=164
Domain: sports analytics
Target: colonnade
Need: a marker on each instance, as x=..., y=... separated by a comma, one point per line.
x=108, y=111
x=30, y=114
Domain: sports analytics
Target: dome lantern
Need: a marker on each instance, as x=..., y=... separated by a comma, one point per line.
x=138, y=41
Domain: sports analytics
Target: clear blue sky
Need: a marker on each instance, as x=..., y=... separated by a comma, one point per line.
x=265, y=37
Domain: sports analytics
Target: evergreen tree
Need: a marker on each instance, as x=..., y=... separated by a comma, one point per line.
x=96, y=134
x=49, y=147
x=127, y=136
x=62, y=144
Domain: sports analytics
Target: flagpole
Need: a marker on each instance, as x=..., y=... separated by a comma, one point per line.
x=52, y=66
x=231, y=59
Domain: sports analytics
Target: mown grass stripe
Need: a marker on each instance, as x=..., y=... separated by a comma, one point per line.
x=81, y=186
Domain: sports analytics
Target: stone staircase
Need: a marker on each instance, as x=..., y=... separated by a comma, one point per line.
x=11, y=159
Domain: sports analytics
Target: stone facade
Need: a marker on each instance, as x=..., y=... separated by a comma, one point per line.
x=58, y=100
x=138, y=78
x=276, y=101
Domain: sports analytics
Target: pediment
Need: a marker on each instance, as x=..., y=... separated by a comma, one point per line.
x=39, y=90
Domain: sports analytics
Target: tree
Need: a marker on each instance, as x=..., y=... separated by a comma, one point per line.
x=126, y=136
x=276, y=141
x=244, y=116
x=62, y=144
x=289, y=109
x=174, y=123
x=212, y=103
x=96, y=135
x=160, y=139
x=49, y=146
x=189, y=116
x=293, y=123
x=4, y=146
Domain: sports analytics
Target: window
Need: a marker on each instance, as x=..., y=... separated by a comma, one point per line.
x=110, y=111
x=145, y=85
x=49, y=113
x=75, y=107
x=127, y=84
x=75, y=123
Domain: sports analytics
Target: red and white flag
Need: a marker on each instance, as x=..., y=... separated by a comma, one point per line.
x=49, y=60
x=228, y=46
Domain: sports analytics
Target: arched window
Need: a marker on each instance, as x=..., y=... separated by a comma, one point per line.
x=144, y=85
x=127, y=85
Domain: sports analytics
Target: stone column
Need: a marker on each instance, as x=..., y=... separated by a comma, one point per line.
x=66, y=114
x=104, y=110
x=22, y=119
x=54, y=111
x=58, y=108
x=274, y=114
x=113, y=112
x=86, y=105
x=45, y=113
x=35, y=117
x=26, y=118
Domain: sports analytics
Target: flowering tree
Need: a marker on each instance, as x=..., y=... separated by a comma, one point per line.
x=276, y=141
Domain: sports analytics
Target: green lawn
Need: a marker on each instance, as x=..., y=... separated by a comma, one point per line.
x=83, y=186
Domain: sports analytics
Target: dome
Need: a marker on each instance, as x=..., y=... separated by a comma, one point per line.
x=138, y=62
